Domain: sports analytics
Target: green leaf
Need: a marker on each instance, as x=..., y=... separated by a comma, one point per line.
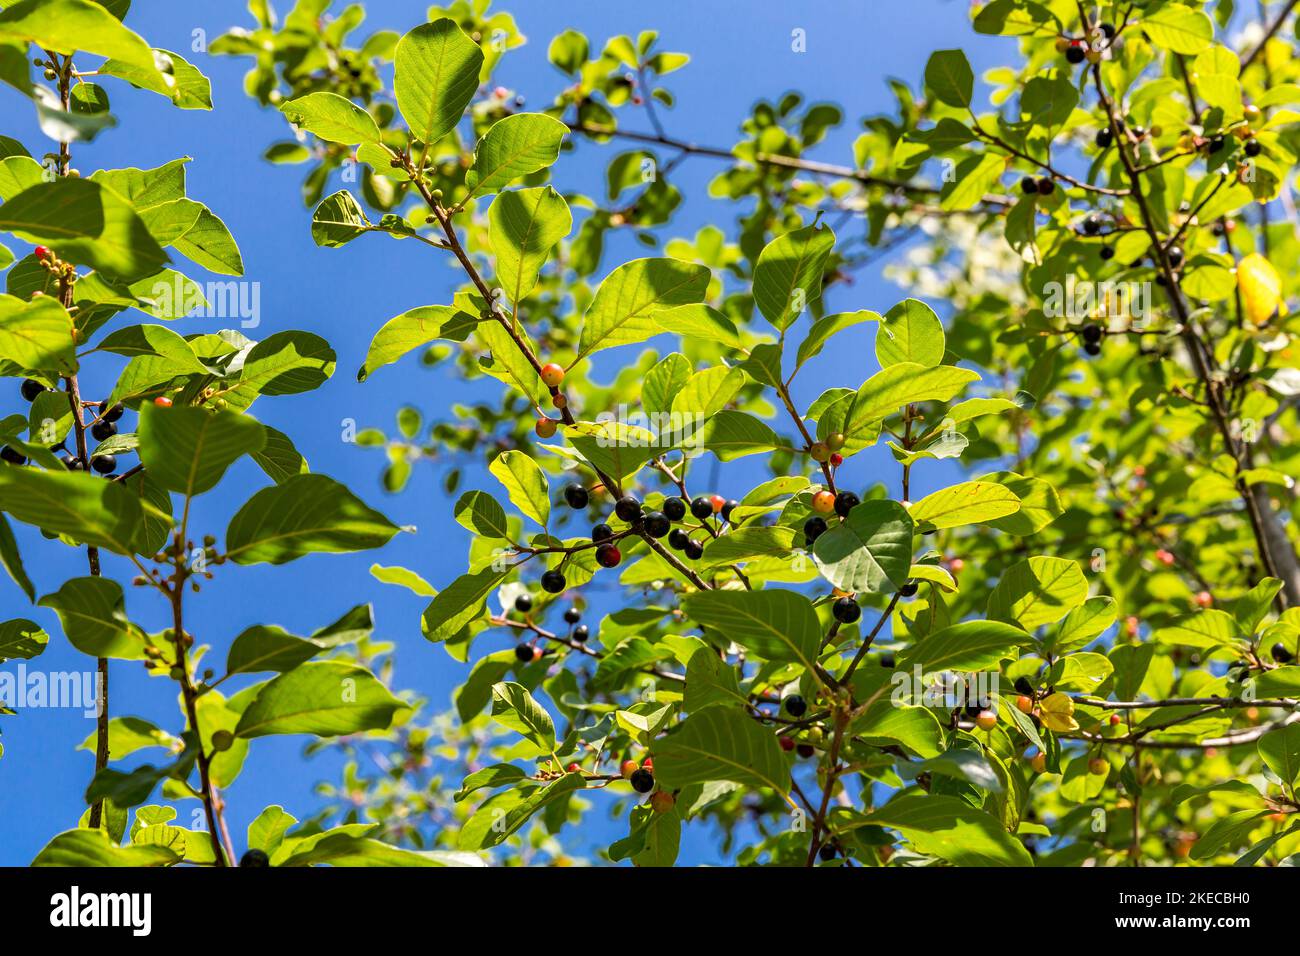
x=625, y=305
x=86, y=224
x=788, y=274
x=21, y=639
x=187, y=449
x=459, y=603
x=1180, y=29
x=404, y=577
x=210, y=244
x=891, y=388
x=265, y=647
x=1039, y=590
x=479, y=512
x=710, y=681
x=523, y=226
x=749, y=542
x=305, y=514
x=410, y=330
x=915, y=728
x=93, y=613
x=436, y=68
x=86, y=848
x=37, y=335
x=332, y=118
x=503, y=814
x=720, y=744
x=338, y=220
x=950, y=829
x=518, y=145
x=323, y=698
x=708, y=391
x=128, y=735
x=1280, y=750
x=827, y=326
x=1040, y=505
x=72, y=26
x=910, y=332
x=158, y=340
x=776, y=624
x=868, y=550
x=1209, y=628
x=949, y=77
x=85, y=508
x=286, y=363
x=526, y=483
x=971, y=502
x=731, y=434
x=278, y=457
x=1084, y=623
x=968, y=646
x=185, y=85
x=514, y=707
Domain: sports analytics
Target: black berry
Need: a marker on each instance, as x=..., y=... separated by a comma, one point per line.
x=678, y=539
x=827, y=852
x=1252, y=147
x=1216, y=144
x=628, y=508
x=1104, y=137
x=601, y=532
x=113, y=413
x=31, y=388
x=643, y=781
x=1175, y=256
x=525, y=652
x=575, y=496
x=1045, y=186
x=813, y=528
x=1029, y=186
x=1092, y=224
x=102, y=430
x=1280, y=653
x=553, y=581
x=806, y=750
x=693, y=550
x=1023, y=686
x=581, y=633
x=608, y=556
x=13, y=456
x=702, y=508
x=255, y=858
x=523, y=604
x=845, y=502
x=846, y=610
x=1091, y=332
x=795, y=705
x=1092, y=348
x=675, y=509
x=728, y=508
x=909, y=589
x=572, y=616
x=657, y=524
x=1108, y=31
x=1108, y=252
x=1075, y=54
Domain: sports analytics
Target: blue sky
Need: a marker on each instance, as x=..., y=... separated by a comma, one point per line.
x=741, y=53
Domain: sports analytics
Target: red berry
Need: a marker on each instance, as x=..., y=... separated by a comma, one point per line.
x=628, y=767
x=552, y=374
x=1114, y=720
x=1203, y=599
x=787, y=743
x=162, y=401
x=837, y=459
x=718, y=502
x=648, y=763
x=662, y=801
x=574, y=768
x=955, y=565
x=545, y=427
x=608, y=556
x=42, y=252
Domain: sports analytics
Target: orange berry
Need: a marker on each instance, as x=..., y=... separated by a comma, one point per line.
x=1114, y=720
x=1203, y=599
x=661, y=801
x=718, y=502
x=1099, y=766
x=1024, y=704
x=823, y=502
x=986, y=720
x=955, y=565
x=627, y=768
x=162, y=401
x=1039, y=763
x=546, y=427
x=552, y=374
x=1131, y=626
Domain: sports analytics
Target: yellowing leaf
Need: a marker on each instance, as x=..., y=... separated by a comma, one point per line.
x=1058, y=713
x=1261, y=287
